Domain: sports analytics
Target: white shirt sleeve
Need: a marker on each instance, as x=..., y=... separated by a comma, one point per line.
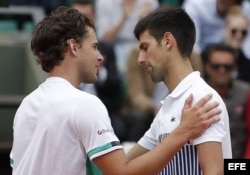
x=93, y=127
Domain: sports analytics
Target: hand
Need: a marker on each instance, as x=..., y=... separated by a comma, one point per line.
x=127, y=8
x=144, y=9
x=195, y=120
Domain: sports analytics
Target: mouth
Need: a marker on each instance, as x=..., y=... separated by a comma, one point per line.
x=148, y=69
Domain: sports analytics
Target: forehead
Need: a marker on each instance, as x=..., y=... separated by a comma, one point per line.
x=90, y=35
x=146, y=37
x=222, y=56
x=238, y=20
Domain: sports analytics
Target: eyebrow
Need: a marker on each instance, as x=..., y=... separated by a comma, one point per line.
x=141, y=45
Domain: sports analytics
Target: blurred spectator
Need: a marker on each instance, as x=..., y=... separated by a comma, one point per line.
x=196, y=62
x=144, y=97
x=25, y=22
x=219, y=66
x=116, y=20
x=85, y=6
x=108, y=87
x=235, y=32
x=209, y=19
x=4, y=3
x=175, y=3
x=247, y=154
x=48, y=5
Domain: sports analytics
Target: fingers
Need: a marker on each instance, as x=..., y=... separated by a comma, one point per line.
x=210, y=106
x=211, y=116
x=188, y=101
x=203, y=100
x=200, y=116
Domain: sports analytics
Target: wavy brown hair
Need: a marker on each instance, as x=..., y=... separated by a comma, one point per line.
x=50, y=35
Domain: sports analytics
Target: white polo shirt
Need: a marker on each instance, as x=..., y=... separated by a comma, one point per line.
x=59, y=129
x=186, y=160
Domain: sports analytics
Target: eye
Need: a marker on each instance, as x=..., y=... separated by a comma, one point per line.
x=144, y=47
x=95, y=46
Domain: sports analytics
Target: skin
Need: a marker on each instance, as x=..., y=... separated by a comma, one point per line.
x=163, y=62
x=127, y=6
x=156, y=60
x=224, y=5
x=81, y=64
x=155, y=158
x=87, y=9
x=235, y=22
x=220, y=79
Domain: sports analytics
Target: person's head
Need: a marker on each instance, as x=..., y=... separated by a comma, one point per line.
x=223, y=6
x=66, y=32
x=161, y=34
x=236, y=27
x=86, y=7
x=219, y=61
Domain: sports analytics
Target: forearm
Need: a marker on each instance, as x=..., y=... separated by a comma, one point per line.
x=143, y=162
x=160, y=156
x=111, y=34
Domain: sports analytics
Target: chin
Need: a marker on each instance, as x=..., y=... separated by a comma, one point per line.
x=155, y=80
x=91, y=81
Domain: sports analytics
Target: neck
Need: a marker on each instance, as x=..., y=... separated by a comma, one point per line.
x=177, y=72
x=65, y=73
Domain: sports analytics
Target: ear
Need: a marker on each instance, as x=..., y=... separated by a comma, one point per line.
x=72, y=46
x=168, y=40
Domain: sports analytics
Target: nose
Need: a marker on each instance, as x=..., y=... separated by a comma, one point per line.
x=100, y=58
x=141, y=58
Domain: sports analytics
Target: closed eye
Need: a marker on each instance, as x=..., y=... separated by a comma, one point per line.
x=95, y=46
x=143, y=47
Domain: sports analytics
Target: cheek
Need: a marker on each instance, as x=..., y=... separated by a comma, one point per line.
x=208, y=70
x=228, y=36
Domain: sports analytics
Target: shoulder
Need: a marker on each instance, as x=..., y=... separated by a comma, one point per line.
x=89, y=99
x=89, y=108
x=239, y=84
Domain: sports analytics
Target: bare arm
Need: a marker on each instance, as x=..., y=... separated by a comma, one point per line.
x=210, y=158
x=195, y=120
x=136, y=151
x=111, y=34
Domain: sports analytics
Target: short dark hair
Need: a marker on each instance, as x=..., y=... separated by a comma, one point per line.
x=50, y=35
x=213, y=47
x=169, y=19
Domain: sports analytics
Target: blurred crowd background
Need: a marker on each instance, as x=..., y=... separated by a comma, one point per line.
x=221, y=53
